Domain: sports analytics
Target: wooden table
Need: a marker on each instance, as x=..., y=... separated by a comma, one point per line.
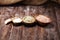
x=36, y=32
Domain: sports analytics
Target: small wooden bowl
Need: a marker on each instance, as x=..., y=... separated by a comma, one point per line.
x=16, y=20
x=28, y=20
x=42, y=19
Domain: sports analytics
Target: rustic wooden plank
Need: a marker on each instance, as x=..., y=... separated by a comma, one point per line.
x=57, y=11
x=22, y=32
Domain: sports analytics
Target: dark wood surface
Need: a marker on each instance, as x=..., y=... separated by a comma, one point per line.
x=36, y=32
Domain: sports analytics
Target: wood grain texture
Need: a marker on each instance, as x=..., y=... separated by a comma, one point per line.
x=36, y=32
